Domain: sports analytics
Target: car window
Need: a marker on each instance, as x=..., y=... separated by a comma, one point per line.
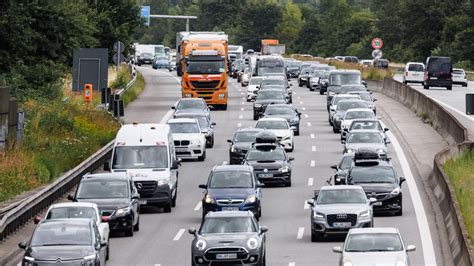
x=337, y=99
x=255, y=81
x=341, y=196
x=372, y=174
x=267, y=95
x=223, y=225
x=439, y=65
x=359, y=115
x=231, y=179
x=347, y=89
x=72, y=213
x=132, y=157
x=416, y=68
x=47, y=234
x=279, y=111
x=266, y=155
x=365, y=125
x=272, y=125
x=458, y=72
x=102, y=189
x=272, y=82
x=373, y=242
x=344, y=106
x=365, y=97
x=364, y=137
x=342, y=79
x=191, y=105
x=184, y=127
x=245, y=136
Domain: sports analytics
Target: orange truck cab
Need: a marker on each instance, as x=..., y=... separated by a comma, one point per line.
x=205, y=68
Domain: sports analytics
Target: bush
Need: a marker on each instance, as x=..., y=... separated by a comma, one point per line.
x=133, y=92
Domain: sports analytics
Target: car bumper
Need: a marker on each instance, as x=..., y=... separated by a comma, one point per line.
x=121, y=223
x=287, y=144
x=321, y=226
x=244, y=256
x=190, y=152
x=153, y=195
x=231, y=207
x=438, y=83
x=388, y=204
x=277, y=177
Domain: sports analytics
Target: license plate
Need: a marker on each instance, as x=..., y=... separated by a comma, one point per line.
x=378, y=203
x=433, y=78
x=143, y=202
x=181, y=149
x=226, y=256
x=265, y=175
x=230, y=208
x=342, y=224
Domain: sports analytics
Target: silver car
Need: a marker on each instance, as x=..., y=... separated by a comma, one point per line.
x=374, y=246
x=336, y=209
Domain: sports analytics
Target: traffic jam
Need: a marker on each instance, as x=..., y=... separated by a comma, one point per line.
x=143, y=169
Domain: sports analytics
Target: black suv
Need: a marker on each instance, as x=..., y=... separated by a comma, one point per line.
x=264, y=98
x=269, y=160
x=438, y=73
x=116, y=197
x=379, y=180
x=241, y=143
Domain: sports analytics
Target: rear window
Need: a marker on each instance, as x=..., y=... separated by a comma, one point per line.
x=439, y=65
x=459, y=72
x=416, y=68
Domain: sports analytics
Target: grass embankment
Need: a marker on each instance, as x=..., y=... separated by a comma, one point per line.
x=461, y=174
x=368, y=73
x=122, y=79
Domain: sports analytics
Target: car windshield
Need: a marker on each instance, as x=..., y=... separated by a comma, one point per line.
x=321, y=74
x=184, y=127
x=133, y=157
x=347, y=89
x=227, y=225
x=272, y=125
x=161, y=58
x=205, y=67
x=146, y=55
x=365, y=97
x=262, y=71
x=416, y=68
x=372, y=174
x=272, y=82
x=293, y=64
x=365, y=125
x=351, y=115
x=72, y=212
x=342, y=79
x=344, y=106
x=439, y=65
x=337, y=99
x=268, y=95
x=54, y=234
x=245, y=136
x=231, y=179
x=458, y=72
x=341, y=196
x=279, y=111
x=191, y=105
x=255, y=81
x=276, y=154
x=364, y=137
x=102, y=189
x=373, y=242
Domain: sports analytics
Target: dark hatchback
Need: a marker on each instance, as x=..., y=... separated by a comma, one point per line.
x=287, y=112
x=116, y=197
x=438, y=72
x=232, y=188
x=264, y=98
x=241, y=143
x=65, y=242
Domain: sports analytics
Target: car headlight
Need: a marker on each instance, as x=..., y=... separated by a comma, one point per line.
x=332, y=93
x=400, y=263
x=365, y=213
x=290, y=91
x=349, y=151
x=286, y=137
x=318, y=215
x=187, y=95
x=344, y=126
x=250, y=199
x=162, y=182
x=209, y=199
x=90, y=257
x=380, y=151
x=294, y=120
x=201, y=244
x=122, y=211
x=338, y=118
x=221, y=95
x=257, y=105
x=29, y=259
x=233, y=149
x=284, y=169
x=252, y=243
x=395, y=192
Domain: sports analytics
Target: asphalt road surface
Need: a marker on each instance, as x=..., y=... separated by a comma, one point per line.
x=163, y=238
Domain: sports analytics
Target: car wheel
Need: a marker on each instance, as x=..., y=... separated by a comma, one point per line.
x=212, y=142
x=173, y=201
x=129, y=232
x=168, y=207
x=426, y=87
x=292, y=147
x=202, y=157
x=321, y=92
x=300, y=84
x=288, y=183
x=137, y=226
x=449, y=88
x=107, y=255
x=203, y=214
x=255, y=116
x=334, y=129
x=297, y=132
x=404, y=82
x=224, y=107
x=400, y=212
x=259, y=212
x=316, y=237
x=464, y=85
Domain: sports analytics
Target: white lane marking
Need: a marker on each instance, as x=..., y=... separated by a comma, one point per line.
x=313, y=148
x=308, y=123
x=291, y=264
x=241, y=93
x=305, y=116
x=243, y=102
x=306, y=205
x=157, y=264
x=176, y=78
x=303, y=108
x=239, y=124
x=310, y=181
x=179, y=234
x=241, y=109
x=452, y=108
x=301, y=102
x=312, y=135
x=166, y=117
x=224, y=162
x=299, y=97
x=198, y=206
x=243, y=98
x=300, y=233
x=294, y=93
x=313, y=163
x=240, y=89
x=241, y=116
x=423, y=226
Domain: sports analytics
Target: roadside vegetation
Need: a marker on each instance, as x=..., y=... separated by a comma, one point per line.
x=133, y=92
x=461, y=174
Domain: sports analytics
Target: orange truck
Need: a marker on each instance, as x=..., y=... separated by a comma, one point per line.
x=271, y=46
x=204, y=67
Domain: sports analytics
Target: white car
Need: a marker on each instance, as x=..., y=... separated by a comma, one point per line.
x=459, y=77
x=189, y=140
x=281, y=128
x=413, y=73
x=356, y=113
x=245, y=77
x=254, y=86
x=374, y=246
x=78, y=210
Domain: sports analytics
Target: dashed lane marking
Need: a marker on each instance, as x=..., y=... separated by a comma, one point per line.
x=239, y=125
x=313, y=163
x=303, y=108
x=291, y=264
x=224, y=162
x=198, y=206
x=312, y=135
x=241, y=109
x=179, y=234
x=300, y=233
x=305, y=116
x=241, y=116
x=313, y=148
x=301, y=102
x=308, y=123
x=310, y=181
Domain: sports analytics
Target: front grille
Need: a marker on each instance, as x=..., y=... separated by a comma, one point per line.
x=205, y=84
x=211, y=253
x=183, y=153
x=230, y=201
x=181, y=142
x=378, y=196
x=341, y=218
x=146, y=187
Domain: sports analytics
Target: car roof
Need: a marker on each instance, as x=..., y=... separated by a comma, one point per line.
x=341, y=187
x=106, y=176
x=364, y=131
x=373, y=230
x=352, y=100
x=191, y=113
x=182, y=120
x=281, y=105
x=344, y=71
x=233, y=167
x=270, y=89
x=191, y=99
x=352, y=85
x=275, y=77
x=348, y=95
x=67, y=222
x=459, y=69
x=358, y=92
x=73, y=204
x=250, y=129
x=365, y=119
x=141, y=134
x=359, y=110
x=271, y=119
x=230, y=214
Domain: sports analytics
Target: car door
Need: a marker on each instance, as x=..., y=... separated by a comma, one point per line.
x=172, y=158
x=103, y=227
x=97, y=243
x=134, y=198
x=257, y=189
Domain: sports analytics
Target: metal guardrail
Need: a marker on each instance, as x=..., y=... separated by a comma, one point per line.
x=131, y=82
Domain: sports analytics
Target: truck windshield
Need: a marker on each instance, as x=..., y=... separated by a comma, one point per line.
x=205, y=67
x=133, y=157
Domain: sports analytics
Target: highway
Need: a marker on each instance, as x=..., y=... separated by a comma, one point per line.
x=163, y=238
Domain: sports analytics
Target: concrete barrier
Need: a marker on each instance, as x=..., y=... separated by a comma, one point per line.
x=456, y=135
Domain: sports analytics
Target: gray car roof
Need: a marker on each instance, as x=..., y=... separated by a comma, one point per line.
x=232, y=167
x=230, y=214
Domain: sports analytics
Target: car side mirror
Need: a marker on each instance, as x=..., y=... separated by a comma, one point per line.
x=258, y=87
x=213, y=123
x=385, y=129
x=387, y=141
x=103, y=243
x=37, y=219
x=107, y=166
x=192, y=231
x=337, y=249
x=263, y=229
x=135, y=196
x=291, y=84
x=173, y=107
x=375, y=99
x=372, y=200
x=334, y=167
x=410, y=248
x=343, y=141
x=202, y=186
x=230, y=141
x=310, y=202
x=402, y=179
x=23, y=244
x=293, y=128
x=290, y=159
x=70, y=197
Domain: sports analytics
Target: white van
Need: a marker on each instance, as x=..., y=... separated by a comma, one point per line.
x=413, y=73
x=147, y=153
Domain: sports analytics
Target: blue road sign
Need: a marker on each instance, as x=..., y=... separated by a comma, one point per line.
x=145, y=13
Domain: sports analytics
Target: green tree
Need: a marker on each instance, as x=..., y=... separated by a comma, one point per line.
x=289, y=28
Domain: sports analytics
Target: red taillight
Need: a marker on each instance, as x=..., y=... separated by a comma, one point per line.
x=406, y=73
x=105, y=219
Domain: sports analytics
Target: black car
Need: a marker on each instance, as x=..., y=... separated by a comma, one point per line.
x=270, y=162
x=293, y=68
x=342, y=169
x=229, y=238
x=264, y=98
x=438, y=72
x=232, y=188
x=286, y=111
x=341, y=111
x=379, y=180
x=145, y=58
x=241, y=143
x=65, y=242
x=116, y=197
x=207, y=127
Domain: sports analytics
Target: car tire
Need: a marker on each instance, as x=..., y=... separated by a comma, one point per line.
x=288, y=183
x=259, y=212
x=404, y=82
x=426, y=87
x=203, y=214
x=107, y=255
x=167, y=208
x=202, y=157
x=129, y=232
x=136, y=227
x=334, y=129
x=316, y=237
x=464, y=85
x=400, y=212
x=292, y=147
x=264, y=261
x=321, y=92
x=300, y=84
x=449, y=88
x=255, y=116
x=297, y=132
x=224, y=107
x=174, y=199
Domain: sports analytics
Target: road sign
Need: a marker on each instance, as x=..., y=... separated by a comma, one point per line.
x=118, y=58
x=119, y=47
x=377, y=54
x=377, y=43
x=145, y=13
